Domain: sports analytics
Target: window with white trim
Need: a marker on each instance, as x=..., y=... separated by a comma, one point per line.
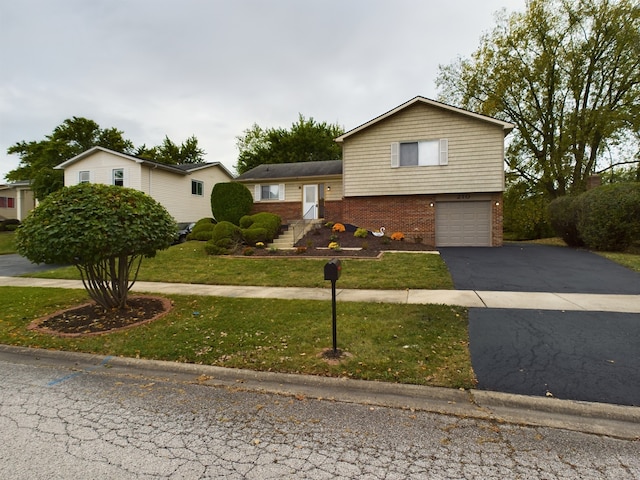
x=197, y=188
x=269, y=192
x=118, y=177
x=420, y=153
x=83, y=176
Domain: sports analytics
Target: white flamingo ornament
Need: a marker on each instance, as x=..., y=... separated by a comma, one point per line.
x=380, y=233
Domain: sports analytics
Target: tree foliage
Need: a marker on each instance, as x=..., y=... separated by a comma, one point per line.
x=71, y=138
x=103, y=230
x=77, y=135
x=307, y=140
x=170, y=153
x=567, y=74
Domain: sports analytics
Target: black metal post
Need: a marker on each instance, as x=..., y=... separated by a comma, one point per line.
x=335, y=326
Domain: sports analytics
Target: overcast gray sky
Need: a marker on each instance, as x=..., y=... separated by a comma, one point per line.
x=213, y=68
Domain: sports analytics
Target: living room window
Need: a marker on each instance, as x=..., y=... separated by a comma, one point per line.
x=197, y=188
x=118, y=177
x=420, y=153
x=269, y=192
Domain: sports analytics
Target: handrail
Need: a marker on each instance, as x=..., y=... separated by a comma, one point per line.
x=298, y=227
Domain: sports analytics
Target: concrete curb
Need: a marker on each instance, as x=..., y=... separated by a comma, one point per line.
x=587, y=417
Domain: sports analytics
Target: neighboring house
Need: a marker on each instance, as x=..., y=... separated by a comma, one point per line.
x=424, y=169
x=184, y=190
x=16, y=200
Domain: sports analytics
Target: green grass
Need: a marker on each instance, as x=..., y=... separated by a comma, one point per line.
x=188, y=263
x=628, y=260
x=7, y=243
x=417, y=344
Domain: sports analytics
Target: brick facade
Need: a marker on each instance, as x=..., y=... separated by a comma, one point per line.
x=288, y=211
x=413, y=215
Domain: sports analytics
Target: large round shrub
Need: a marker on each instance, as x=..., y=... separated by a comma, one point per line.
x=230, y=201
x=103, y=230
x=563, y=215
x=610, y=216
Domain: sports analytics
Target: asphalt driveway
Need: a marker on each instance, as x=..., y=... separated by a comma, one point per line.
x=13, y=265
x=588, y=356
x=537, y=268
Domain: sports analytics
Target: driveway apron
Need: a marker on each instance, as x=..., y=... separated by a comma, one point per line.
x=588, y=356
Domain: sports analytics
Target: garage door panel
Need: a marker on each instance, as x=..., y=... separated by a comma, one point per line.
x=463, y=224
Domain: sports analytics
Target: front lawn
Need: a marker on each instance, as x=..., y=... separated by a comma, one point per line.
x=418, y=344
x=188, y=263
x=7, y=243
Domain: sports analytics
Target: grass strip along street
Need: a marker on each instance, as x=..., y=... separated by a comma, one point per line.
x=417, y=344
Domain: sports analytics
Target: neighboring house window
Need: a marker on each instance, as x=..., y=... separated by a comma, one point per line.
x=418, y=154
x=269, y=192
x=83, y=177
x=197, y=188
x=118, y=177
x=7, y=202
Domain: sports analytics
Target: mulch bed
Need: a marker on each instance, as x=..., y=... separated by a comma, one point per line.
x=316, y=242
x=92, y=319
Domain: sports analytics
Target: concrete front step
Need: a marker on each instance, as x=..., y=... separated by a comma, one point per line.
x=285, y=239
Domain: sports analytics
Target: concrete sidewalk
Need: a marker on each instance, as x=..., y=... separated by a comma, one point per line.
x=465, y=298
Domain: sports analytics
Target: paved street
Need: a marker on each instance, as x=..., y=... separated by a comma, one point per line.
x=98, y=422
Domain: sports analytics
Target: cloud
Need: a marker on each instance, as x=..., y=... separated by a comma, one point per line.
x=213, y=68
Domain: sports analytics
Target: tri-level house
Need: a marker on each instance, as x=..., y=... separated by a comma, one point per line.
x=423, y=168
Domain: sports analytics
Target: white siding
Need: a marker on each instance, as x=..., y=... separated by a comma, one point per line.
x=100, y=166
x=172, y=190
x=293, y=189
x=475, y=155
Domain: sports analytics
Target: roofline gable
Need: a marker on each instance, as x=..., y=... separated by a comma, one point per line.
x=507, y=127
x=143, y=161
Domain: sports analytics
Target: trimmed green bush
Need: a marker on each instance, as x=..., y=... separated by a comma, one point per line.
x=230, y=201
x=104, y=230
x=211, y=248
x=609, y=217
x=202, y=232
x=226, y=230
x=255, y=234
x=563, y=216
x=246, y=221
x=269, y=221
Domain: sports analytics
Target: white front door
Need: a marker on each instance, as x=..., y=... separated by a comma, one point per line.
x=310, y=202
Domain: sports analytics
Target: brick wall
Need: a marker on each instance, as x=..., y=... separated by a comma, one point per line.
x=412, y=215
x=287, y=210
x=496, y=215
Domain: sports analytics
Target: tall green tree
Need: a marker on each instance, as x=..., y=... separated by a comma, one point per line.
x=72, y=137
x=170, y=153
x=307, y=140
x=567, y=74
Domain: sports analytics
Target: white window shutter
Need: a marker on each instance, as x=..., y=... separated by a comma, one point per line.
x=444, y=151
x=281, y=191
x=256, y=193
x=395, y=155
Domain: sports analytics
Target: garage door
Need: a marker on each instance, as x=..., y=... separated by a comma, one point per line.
x=463, y=224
